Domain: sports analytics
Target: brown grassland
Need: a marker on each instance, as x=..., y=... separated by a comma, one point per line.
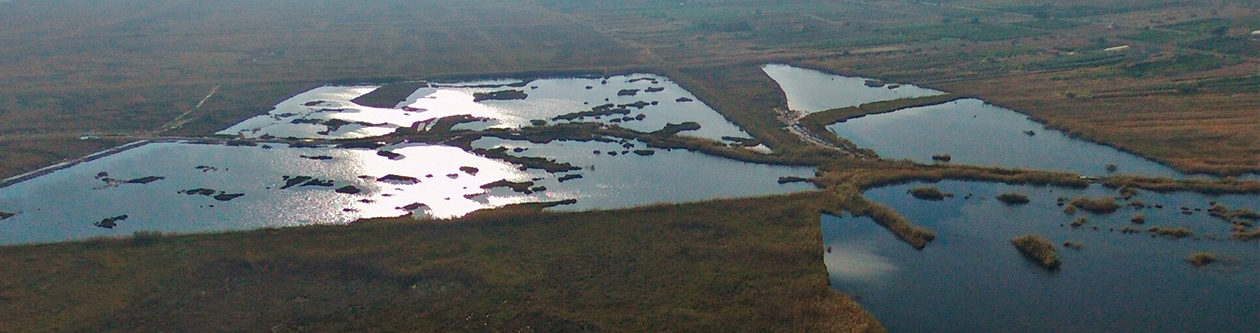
x=729, y=265
x=1182, y=93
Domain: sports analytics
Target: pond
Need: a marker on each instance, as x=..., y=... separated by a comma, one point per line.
x=181, y=186
x=970, y=131
x=642, y=102
x=977, y=133
x=810, y=91
x=972, y=279
x=189, y=187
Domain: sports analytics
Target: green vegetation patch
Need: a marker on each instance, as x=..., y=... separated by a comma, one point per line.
x=1178, y=64
x=1158, y=36
x=1051, y=24
x=973, y=31
x=1238, y=46
x=1081, y=60
x=1212, y=26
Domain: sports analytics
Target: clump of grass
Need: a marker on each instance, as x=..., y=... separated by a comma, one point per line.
x=1200, y=259
x=929, y=193
x=1138, y=219
x=1105, y=205
x=1128, y=192
x=1243, y=234
x=1013, y=198
x=1073, y=245
x=1247, y=214
x=1178, y=232
x=1080, y=221
x=1224, y=213
x=1038, y=249
x=499, y=95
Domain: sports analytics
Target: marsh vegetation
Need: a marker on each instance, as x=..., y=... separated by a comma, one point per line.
x=1179, y=91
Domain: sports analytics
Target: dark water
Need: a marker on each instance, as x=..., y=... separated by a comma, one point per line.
x=971, y=279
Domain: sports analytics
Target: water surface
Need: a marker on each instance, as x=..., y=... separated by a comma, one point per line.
x=65, y=204
x=971, y=279
x=812, y=91
x=649, y=102
x=976, y=133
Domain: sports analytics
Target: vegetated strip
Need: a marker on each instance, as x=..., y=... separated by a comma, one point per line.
x=849, y=198
x=817, y=122
x=665, y=139
x=1206, y=186
x=866, y=174
x=846, y=179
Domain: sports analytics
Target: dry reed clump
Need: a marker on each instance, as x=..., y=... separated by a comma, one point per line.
x=1138, y=219
x=1013, y=198
x=1200, y=259
x=929, y=193
x=1243, y=234
x=1177, y=232
x=1038, y=249
x=1105, y=205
